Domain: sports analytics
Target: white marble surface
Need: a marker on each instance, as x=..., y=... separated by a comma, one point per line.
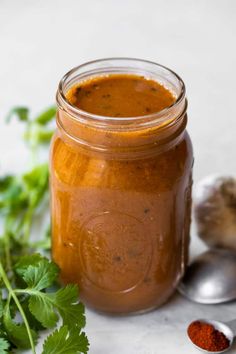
x=40, y=40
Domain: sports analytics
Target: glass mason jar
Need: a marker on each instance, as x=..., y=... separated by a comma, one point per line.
x=121, y=195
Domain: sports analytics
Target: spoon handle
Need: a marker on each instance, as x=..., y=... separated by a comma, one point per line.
x=232, y=325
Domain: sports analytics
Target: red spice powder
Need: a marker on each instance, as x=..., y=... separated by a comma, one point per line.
x=205, y=336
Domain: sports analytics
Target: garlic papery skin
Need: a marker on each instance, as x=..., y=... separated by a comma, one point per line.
x=214, y=206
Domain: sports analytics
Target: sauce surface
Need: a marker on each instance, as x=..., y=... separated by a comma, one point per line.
x=120, y=227
x=120, y=95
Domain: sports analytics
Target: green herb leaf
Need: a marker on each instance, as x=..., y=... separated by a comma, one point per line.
x=24, y=262
x=17, y=333
x=27, y=281
x=4, y=346
x=46, y=306
x=12, y=196
x=63, y=341
x=1, y=307
x=72, y=312
x=37, y=177
x=36, y=182
x=44, y=136
x=5, y=183
x=38, y=135
x=46, y=116
x=42, y=308
x=32, y=321
x=22, y=113
x=41, y=275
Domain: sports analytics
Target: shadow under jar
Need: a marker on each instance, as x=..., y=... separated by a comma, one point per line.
x=121, y=185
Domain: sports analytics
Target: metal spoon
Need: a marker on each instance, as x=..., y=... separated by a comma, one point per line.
x=211, y=278
x=228, y=329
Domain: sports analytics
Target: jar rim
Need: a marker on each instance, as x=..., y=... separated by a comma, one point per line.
x=155, y=118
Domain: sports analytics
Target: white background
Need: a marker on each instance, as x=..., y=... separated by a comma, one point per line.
x=41, y=40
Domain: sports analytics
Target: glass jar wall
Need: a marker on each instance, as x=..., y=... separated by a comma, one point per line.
x=121, y=194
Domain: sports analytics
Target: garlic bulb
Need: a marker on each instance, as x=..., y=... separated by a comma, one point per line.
x=215, y=211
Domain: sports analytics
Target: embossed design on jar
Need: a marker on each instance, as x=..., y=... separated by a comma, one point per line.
x=115, y=251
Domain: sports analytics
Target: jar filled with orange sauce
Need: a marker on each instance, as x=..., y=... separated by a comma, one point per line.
x=121, y=176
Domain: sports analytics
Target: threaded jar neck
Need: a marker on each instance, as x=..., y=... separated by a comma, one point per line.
x=103, y=132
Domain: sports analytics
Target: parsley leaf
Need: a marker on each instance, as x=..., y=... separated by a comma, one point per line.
x=4, y=346
x=17, y=333
x=46, y=306
x=24, y=262
x=42, y=308
x=5, y=182
x=41, y=275
x=36, y=184
x=29, y=297
x=46, y=116
x=1, y=307
x=72, y=312
x=22, y=113
x=63, y=341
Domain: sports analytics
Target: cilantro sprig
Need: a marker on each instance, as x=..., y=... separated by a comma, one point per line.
x=30, y=298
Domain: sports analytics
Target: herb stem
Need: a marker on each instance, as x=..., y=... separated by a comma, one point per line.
x=13, y=295
x=7, y=251
x=27, y=225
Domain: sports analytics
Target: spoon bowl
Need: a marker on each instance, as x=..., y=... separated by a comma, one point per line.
x=210, y=278
x=228, y=329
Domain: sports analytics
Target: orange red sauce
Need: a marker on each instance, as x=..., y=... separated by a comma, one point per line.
x=121, y=95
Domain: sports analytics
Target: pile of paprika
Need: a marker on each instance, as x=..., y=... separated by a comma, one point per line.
x=205, y=336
